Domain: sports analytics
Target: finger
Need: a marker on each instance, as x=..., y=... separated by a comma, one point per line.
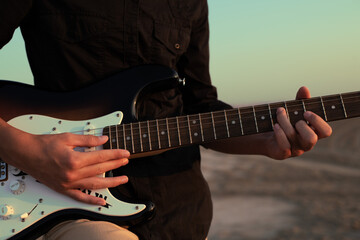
x=97, y=169
x=85, y=198
x=285, y=125
x=90, y=158
x=307, y=138
x=99, y=182
x=319, y=125
x=282, y=141
x=303, y=93
x=77, y=140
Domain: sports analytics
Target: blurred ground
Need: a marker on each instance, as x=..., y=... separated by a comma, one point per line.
x=316, y=196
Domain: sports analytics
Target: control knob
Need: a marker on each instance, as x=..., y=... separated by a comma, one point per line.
x=17, y=187
x=6, y=211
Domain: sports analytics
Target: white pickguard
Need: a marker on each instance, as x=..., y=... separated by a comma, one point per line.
x=38, y=201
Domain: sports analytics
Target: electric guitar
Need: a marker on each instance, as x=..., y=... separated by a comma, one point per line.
x=28, y=208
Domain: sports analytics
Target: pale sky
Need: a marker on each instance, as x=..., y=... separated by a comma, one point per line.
x=264, y=50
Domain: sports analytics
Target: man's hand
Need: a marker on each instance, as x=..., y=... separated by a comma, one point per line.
x=52, y=160
x=288, y=141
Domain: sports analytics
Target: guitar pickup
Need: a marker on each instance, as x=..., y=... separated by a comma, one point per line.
x=3, y=171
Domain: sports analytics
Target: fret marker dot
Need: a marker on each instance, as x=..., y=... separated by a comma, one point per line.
x=144, y=135
x=113, y=140
x=262, y=117
x=333, y=107
x=162, y=132
x=296, y=112
x=196, y=134
x=233, y=122
x=127, y=138
x=194, y=122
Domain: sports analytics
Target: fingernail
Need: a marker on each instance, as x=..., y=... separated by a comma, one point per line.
x=103, y=138
x=280, y=110
x=126, y=153
x=125, y=161
x=307, y=114
x=124, y=179
x=277, y=126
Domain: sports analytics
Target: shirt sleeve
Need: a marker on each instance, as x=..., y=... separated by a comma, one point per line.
x=199, y=95
x=12, y=13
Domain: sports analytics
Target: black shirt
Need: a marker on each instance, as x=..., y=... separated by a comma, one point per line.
x=73, y=43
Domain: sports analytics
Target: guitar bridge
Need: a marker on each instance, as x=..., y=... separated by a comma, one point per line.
x=3, y=171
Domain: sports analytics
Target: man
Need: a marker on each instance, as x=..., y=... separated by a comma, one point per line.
x=71, y=44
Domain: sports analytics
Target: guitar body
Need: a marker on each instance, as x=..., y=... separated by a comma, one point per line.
x=28, y=208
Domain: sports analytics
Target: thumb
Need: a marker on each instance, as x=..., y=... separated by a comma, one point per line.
x=303, y=93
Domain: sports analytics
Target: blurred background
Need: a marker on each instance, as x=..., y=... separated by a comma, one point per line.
x=263, y=51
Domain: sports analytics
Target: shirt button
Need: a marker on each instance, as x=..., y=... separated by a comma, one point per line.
x=177, y=45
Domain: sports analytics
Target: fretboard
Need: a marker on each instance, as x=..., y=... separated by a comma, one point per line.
x=161, y=134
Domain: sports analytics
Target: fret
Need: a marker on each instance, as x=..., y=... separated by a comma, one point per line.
x=167, y=128
x=256, y=125
x=117, y=136
x=248, y=121
x=164, y=141
x=149, y=134
x=352, y=104
x=240, y=121
x=295, y=111
x=303, y=105
x=271, y=117
x=173, y=132
x=220, y=124
x=233, y=123
x=184, y=130
x=287, y=111
x=263, y=118
x=333, y=107
x=227, y=125
x=144, y=137
x=154, y=135
x=207, y=126
x=158, y=132
x=343, y=105
x=213, y=125
x=178, y=128
x=201, y=128
x=322, y=104
x=190, y=134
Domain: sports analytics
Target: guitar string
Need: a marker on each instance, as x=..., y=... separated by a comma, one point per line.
x=229, y=115
x=221, y=132
x=243, y=112
x=179, y=128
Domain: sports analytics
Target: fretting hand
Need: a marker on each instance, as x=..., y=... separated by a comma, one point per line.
x=288, y=141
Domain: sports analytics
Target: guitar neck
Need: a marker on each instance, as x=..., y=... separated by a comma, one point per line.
x=162, y=134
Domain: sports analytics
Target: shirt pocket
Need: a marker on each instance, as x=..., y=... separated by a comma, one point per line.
x=170, y=41
x=73, y=28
